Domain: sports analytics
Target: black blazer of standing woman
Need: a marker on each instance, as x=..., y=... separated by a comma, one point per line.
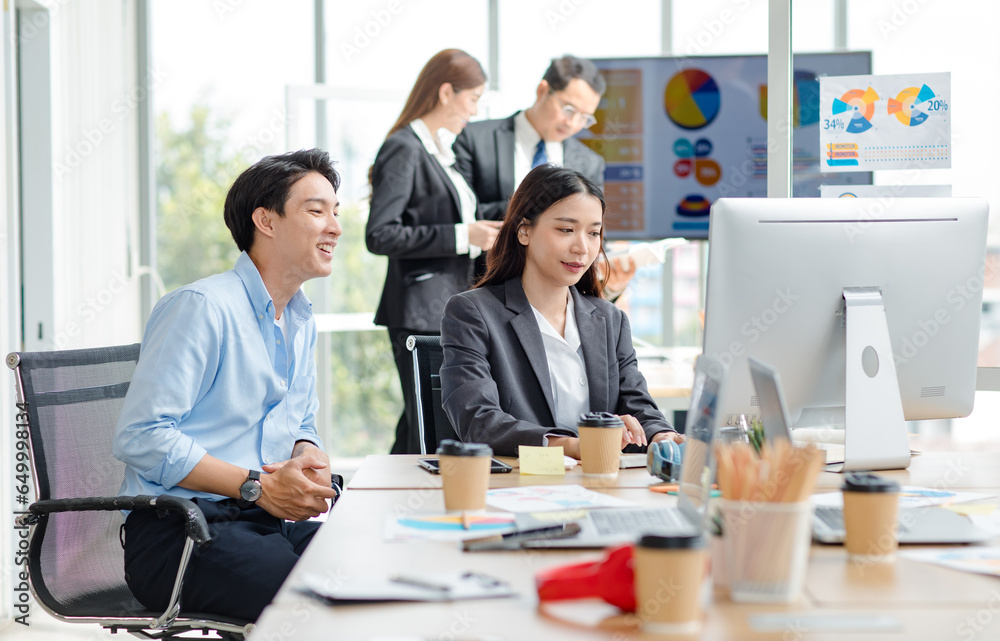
x=423, y=215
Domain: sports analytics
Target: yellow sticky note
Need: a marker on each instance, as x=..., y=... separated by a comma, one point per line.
x=541, y=460
x=975, y=508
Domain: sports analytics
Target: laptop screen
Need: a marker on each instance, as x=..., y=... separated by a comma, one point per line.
x=698, y=467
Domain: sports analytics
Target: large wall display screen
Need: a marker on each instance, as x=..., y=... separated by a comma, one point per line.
x=678, y=133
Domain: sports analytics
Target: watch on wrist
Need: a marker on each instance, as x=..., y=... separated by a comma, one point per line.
x=251, y=490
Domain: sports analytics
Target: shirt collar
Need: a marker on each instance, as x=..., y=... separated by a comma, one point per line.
x=525, y=133
x=260, y=298
x=444, y=155
x=571, y=331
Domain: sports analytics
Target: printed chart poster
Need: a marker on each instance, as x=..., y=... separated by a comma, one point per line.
x=885, y=122
x=885, y=191
x=676, y=133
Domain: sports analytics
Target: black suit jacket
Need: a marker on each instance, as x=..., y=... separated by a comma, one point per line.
x=414, y=210
x=484, y=155
x=495, y=377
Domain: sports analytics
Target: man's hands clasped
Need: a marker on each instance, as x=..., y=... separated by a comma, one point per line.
x=297, y=489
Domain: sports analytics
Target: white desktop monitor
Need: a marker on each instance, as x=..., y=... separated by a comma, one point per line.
x=777, y=274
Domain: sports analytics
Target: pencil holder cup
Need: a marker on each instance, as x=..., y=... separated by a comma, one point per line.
x=767, y=549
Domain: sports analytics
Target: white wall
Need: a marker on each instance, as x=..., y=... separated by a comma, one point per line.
x=8, y=307
x=95, y=150
x=95, y=87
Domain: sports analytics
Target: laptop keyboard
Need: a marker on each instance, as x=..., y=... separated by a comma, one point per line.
x=632, y=521
x=833, y=517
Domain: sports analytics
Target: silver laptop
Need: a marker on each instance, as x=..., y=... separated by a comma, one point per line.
x=923, y=525
x=612, y=526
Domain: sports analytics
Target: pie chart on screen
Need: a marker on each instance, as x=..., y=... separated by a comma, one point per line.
x=691, y=99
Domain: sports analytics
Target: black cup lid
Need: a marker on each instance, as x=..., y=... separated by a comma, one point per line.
x=672, y=541
x=599, y=419
x=450, y=447
x=867, y=482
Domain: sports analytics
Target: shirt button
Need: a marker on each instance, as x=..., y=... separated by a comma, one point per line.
x=583, y=381
x=267, y=459
x=278, y=342
x=282, y=383
x=260, y=316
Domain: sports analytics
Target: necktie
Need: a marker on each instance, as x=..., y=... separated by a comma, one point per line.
x=540, y=157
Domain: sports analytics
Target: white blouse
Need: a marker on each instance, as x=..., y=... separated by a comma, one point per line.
x=567, y=373
x=466, y=197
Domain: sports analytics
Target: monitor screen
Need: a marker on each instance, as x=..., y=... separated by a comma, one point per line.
x=777, y=271
x=676, y=133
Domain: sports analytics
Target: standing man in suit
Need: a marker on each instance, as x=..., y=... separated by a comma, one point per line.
x=494, y=156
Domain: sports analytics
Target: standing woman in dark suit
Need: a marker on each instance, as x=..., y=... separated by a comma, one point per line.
x=423, y=214
x=535, y=345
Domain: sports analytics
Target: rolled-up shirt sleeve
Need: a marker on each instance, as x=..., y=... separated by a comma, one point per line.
x=307, y=429
x=180, y=354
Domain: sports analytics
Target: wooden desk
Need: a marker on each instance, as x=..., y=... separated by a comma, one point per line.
x=944, y=470
x=929, y=602
x=401, y=472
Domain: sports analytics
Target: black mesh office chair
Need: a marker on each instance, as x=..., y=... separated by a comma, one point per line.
x=432, y=423
x=68, y=403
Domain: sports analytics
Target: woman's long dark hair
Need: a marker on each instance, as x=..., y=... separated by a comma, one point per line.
x=543, y=187
x=452, y=66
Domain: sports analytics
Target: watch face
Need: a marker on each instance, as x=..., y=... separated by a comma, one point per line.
x=250, y=490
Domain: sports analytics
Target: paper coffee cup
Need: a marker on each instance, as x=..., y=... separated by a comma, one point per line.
x=668, y=574
x=871, y=512
x=465, y=474
x=600, y=443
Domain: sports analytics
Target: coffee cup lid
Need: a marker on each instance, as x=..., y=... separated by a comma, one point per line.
x=672, y=541
x=451, y=447
x=599, y=419
x=867, y=482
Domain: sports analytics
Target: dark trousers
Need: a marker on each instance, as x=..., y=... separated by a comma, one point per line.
x=407, y=430
x=235, y=575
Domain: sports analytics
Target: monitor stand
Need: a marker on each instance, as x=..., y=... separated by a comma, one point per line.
x=875, y=430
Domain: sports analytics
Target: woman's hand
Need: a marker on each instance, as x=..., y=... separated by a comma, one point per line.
x=669, y=436
x=632, y=433
x=570, y=445
x=483, y=233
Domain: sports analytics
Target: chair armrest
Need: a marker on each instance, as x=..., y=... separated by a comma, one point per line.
x=337, y=483
x=196, y=525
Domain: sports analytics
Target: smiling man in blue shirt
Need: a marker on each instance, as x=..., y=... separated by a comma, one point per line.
x=222, y=405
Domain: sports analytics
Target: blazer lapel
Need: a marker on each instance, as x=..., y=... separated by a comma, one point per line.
x=526, y=328
x=593, y=340
x=442, y=176
x=505, y=157
x=450, y=186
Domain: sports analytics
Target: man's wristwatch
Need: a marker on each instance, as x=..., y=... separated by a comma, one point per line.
x=250, y=490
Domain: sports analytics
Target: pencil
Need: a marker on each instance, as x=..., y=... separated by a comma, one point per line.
x=466, y=521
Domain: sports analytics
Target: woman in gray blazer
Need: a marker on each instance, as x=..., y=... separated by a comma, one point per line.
x=535, y=344
x=423, y=214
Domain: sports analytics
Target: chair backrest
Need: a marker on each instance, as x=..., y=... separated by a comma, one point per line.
x=72, y=399
x=432, y=422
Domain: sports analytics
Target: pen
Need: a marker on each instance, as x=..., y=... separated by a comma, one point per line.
x=513, y=540
x=420, y=583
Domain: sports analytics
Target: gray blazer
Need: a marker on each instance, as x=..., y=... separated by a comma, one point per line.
x=495, y=379
x=484, y=155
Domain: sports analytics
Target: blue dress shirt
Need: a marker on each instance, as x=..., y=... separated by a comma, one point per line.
x=215, y=377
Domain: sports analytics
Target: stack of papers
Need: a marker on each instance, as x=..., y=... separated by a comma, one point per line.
x=643, y=254
x=431, y=587
x=550, y=498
